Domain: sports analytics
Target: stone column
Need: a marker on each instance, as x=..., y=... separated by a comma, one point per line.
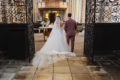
x=31, y=44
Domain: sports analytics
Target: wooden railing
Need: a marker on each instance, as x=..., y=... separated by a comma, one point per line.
x=52, y=5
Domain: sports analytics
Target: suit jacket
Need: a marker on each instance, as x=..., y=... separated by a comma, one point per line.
x=70, y=27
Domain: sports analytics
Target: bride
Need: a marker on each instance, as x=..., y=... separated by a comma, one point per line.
x=55, y=49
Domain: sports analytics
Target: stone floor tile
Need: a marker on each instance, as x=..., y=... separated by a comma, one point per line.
x=81, y=77
x=28, y=64
x=24, y=76
x=28, y=68
x=100, y=72
x=21, y=79
x=14, y=65
x=75, y=63
x=79, y=69
x=1, y=73
x=2, y=68
x=39, y=76
x=61, y=70
x=4, y=62
x=91, y=69
x=11, y=70
x=85, y=61
x=51, y=65
x=74, y=58
x=61, y=63
x=45, y=70
x=101, y=77
x=62, y=77
x=18, y=62
x=7, y=76
x=83, y=58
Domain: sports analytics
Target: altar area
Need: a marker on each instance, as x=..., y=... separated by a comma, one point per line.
x=46, y=31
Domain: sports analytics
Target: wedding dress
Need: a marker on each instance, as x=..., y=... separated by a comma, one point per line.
x=55, y=49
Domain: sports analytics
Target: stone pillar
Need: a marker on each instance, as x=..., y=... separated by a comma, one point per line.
x=30, y=28
x=89, y=29
x=4, y=18
x=83, y=11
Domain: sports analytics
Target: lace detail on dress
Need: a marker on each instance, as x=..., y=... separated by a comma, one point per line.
x=50, y=58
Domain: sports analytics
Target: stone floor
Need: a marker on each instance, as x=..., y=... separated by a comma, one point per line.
x=111, y=65
x=9, y=68
x=76, y=68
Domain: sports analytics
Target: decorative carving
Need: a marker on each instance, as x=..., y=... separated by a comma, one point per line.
x=13, y=11
x=19, y=11
x=30, y=28
x=107, y=11
x=98, y=11
x=89, y=26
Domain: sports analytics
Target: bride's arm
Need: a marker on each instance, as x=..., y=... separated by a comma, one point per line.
x=61, y=24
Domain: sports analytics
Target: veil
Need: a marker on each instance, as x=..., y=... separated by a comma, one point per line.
x=55, y=48
x=57, y=23
x=56, y=26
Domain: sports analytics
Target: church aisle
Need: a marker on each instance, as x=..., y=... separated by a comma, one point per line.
x=79, y=43
x=76, y=68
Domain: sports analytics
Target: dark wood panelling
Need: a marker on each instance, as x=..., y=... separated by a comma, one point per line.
x=106, y=38
x=14, y=40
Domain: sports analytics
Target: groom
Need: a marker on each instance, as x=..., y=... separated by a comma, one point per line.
x=70, y=27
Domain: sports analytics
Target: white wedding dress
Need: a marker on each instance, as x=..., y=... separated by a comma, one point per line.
x=56, y=48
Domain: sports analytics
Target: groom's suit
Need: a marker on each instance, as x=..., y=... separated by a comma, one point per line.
x=70, y=27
